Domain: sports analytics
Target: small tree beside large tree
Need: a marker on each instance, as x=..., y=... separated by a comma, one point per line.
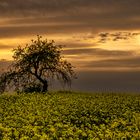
x=34, y=65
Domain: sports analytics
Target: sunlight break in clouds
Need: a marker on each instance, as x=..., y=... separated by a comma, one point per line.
x=92, y=31
x=84, y=48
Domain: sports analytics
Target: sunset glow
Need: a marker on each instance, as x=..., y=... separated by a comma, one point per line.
x=97, y=35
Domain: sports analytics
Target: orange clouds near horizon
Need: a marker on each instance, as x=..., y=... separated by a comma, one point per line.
x=85, y=51
x=97, y=34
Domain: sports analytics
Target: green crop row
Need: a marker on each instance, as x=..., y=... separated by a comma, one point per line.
x=70, y=116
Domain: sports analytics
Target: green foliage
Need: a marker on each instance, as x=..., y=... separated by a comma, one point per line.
x=70, y=116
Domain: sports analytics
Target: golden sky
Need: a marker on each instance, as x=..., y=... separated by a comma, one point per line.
x=98, y=34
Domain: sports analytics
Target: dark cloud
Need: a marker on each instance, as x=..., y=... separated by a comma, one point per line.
x=22, y=30
x=99, y=7
x=99, y=52
x=108, y=81
x=69, y=16
x=65, y=45
x=100, y=81
x=72, y=47
x=131, y=62
x=63, y=25
x=103, y=37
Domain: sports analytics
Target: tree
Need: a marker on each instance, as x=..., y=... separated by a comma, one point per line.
x=34, y=65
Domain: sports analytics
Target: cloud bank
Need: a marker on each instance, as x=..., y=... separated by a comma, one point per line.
x=71, y=16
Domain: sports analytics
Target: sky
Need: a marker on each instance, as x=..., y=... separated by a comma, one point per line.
x=101, y=37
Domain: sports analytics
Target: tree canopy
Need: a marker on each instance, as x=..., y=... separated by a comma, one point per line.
x=34, y=65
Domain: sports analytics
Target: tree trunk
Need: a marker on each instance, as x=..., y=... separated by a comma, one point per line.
x=45, y=86
x=44, y=83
